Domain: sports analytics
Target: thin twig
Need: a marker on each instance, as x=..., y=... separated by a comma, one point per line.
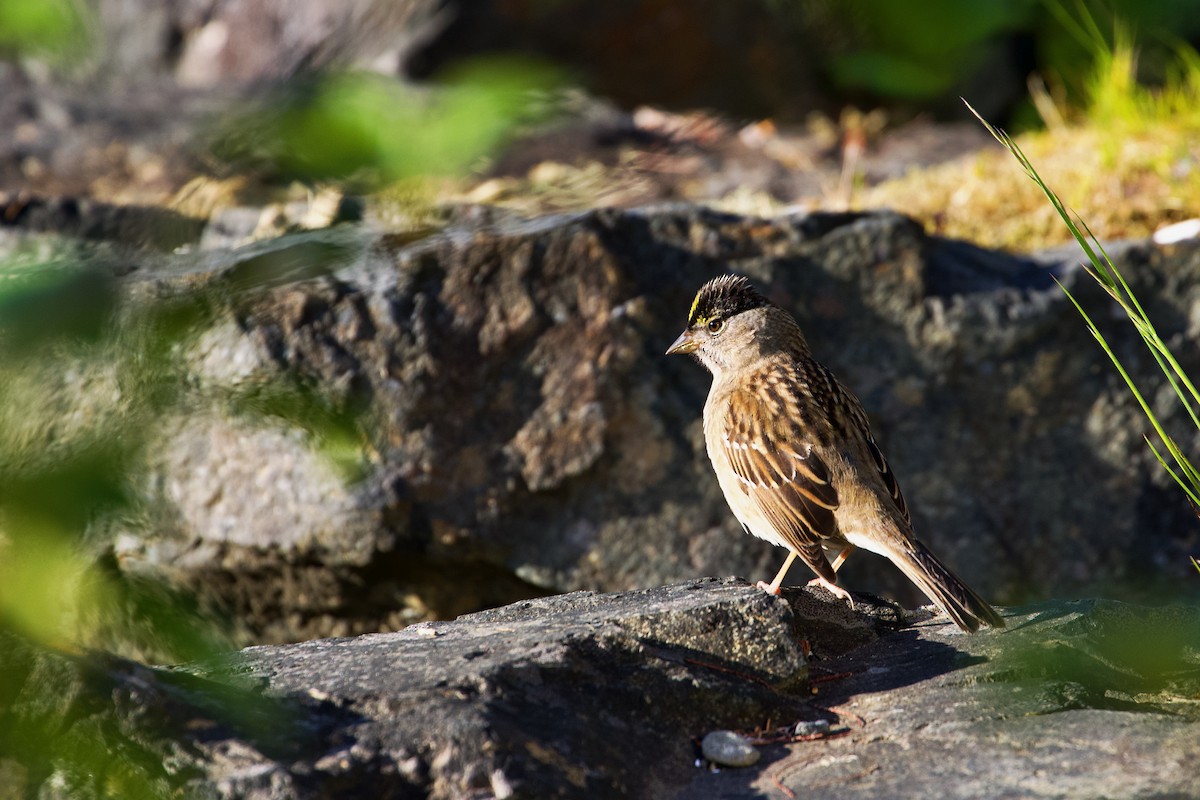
x=837, y=676
x=782, y=788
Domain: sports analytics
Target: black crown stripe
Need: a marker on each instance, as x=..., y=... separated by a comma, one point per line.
x=724, y=297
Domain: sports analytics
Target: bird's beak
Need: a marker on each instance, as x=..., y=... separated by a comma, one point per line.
x=686, y=343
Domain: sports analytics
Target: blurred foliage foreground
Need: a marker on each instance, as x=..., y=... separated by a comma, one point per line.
x=88, y=361
x=90, y=365
x=92, y=360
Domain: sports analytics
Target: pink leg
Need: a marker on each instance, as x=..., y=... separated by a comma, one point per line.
x=841, y=557
x=773, y=586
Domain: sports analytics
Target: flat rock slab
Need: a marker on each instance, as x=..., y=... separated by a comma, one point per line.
x=578, y=695
x=596, y=695
x=1078, y=699
x=609, y=695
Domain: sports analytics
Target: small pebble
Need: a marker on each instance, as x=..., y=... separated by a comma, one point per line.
x=811, y=727
x=729, y=749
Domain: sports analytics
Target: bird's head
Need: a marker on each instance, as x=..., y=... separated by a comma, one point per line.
x=726, y=323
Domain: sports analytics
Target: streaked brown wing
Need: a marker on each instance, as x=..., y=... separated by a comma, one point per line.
x=889, y=479
x=859, y=418
x=779, y=470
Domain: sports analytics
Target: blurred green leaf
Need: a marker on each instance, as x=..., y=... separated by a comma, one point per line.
x=146, y=345
x=48, y=27
x=153, y=621
x=90, y=727
x=299, y=257
x=73, y=486
x=82, y=376
x=40, y=572
x=375, y=130
x=335, y=431
x=918, y=51
x=939, y=28
x=892, y=75
x=53, y=302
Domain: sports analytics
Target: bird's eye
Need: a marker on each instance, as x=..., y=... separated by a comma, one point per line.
x=715, y=326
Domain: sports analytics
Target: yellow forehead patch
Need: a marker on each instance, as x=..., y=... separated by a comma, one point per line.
x=692, y=313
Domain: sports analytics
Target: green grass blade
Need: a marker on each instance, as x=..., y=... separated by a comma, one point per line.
x=1185, y=484
x=1180, y=458
x=1105, y=273
x=1124, y=295
x=1095, y=331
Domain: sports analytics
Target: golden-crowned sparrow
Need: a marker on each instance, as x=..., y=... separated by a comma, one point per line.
x=794, y=454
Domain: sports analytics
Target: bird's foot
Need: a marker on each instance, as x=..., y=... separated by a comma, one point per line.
x=773, y=586
x=833, y=589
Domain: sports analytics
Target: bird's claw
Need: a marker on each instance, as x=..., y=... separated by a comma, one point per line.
x=833, y=589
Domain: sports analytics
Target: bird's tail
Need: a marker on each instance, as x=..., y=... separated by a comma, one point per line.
x=945, y=589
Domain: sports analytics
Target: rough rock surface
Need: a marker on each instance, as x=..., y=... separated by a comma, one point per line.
x=509, y=426
x=523, y=433
x=578, y=695
x=588, y=695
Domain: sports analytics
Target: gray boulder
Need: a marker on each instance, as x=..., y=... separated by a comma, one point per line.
x=371, y=431
x=520, y=432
